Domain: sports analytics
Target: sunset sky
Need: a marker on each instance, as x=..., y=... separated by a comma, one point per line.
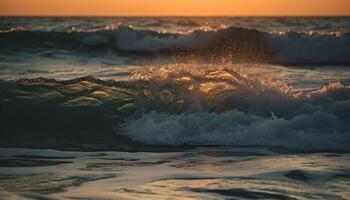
x=174, y=7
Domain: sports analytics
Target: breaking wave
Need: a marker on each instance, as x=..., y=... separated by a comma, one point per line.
x=227, y=45
x=182, y=105
x=224, y=107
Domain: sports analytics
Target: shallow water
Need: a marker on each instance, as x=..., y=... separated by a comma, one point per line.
x=201, y=173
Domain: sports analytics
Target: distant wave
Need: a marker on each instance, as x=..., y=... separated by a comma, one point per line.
x=185, y=106
x=227, y=45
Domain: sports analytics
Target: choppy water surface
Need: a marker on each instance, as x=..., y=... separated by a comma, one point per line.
x=63, y=47
x=255, y=108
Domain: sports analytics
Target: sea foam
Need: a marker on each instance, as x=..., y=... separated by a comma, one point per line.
x=306, y=132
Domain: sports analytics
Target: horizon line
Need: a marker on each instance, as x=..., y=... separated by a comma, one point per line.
x=186, y=16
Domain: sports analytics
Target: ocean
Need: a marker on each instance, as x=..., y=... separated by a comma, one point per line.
x=175, y=107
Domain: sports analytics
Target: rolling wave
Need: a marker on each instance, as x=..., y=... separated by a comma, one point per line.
x=227, y=45
x=185, y=106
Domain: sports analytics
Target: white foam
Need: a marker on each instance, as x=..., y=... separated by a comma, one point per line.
x=316, y=131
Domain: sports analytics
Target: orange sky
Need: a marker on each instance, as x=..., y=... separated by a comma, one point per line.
x=174, y=7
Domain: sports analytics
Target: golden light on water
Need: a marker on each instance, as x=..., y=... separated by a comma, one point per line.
x=175, y=7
